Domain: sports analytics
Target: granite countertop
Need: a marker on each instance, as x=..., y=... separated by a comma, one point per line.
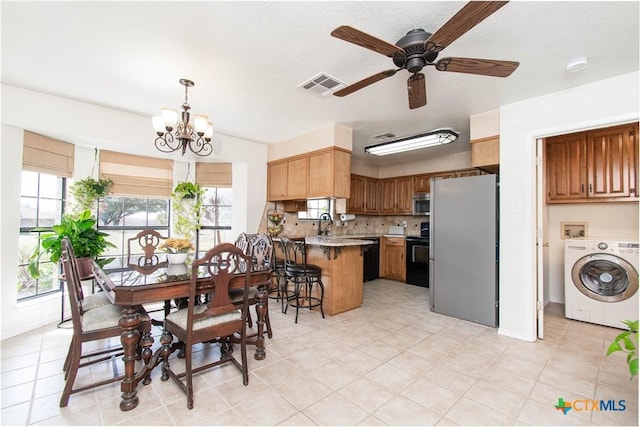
x=335, y=241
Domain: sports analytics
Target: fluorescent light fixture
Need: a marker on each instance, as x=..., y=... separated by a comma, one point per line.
x=408, y=143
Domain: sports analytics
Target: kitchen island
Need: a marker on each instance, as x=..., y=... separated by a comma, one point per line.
x=341, y=260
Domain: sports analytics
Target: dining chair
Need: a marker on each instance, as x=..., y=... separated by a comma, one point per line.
x=303, y=275
x=98, y=323
x=141, y=250
x=142, y=257
x=261, y=252
x=218, y=319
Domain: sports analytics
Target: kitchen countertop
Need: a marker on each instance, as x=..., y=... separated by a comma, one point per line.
x=336, y=241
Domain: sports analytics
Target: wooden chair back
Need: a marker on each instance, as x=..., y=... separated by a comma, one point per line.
x=141, y=250
x=74, y=284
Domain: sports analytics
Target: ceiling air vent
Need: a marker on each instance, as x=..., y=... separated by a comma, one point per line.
x=322, y=84
x=386, y=135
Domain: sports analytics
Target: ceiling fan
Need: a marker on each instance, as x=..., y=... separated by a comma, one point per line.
x=418, y=49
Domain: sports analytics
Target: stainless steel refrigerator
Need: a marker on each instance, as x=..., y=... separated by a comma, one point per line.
x=463, y=254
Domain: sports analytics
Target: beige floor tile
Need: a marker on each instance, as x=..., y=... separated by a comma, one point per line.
x=302, y=391
x=298, y=419
x=334, y=375
x=236, y=393
x=268, y=409
x=19, y=376
x=411, y=362
x=508, y=380
x=395, y=379
x=372, y=421
x=17, y=394
x=401, y=411
x=449, y=379
x=367, y=394
x=496, y=397
x=584, y=386
x=469, y=412
x=278, y=373
x=432, y=396
x=361, y=361
x=17, y=362
x=335, y=410
x=15, y=415
x=158, y=417
x=74, y=417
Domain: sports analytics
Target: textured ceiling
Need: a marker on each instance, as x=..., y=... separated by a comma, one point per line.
x=248, y=58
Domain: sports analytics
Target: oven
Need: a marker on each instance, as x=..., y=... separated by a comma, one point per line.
x=417, y=257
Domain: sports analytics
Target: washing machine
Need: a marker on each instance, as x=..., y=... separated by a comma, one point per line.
x=601, y=281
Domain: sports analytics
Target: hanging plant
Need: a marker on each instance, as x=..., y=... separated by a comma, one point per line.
x=86, y=193
x=187, y=208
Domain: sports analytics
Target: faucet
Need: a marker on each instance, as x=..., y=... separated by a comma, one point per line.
x=322, y=216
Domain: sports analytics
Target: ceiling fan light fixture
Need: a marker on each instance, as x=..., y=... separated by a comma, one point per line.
x=415, y=142
x=577, y=65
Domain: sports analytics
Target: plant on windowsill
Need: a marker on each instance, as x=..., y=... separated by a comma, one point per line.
x=627, y=342
x=88, y=243
x=187, y=208
x=86, y=193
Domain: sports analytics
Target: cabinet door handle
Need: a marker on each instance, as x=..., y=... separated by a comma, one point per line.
x=590, y=188
x=582, y=188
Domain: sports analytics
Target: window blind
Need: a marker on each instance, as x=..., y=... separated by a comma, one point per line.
x=137, y=175
x=47, y=155
x=213, y=174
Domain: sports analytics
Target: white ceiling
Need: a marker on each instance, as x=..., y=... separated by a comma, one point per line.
x=248, y=59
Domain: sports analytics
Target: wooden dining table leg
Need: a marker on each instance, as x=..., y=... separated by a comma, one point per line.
x=129, y=338
x=262, y=297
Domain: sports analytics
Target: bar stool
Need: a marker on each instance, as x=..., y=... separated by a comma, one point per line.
x=279, y=291
x=303, y=276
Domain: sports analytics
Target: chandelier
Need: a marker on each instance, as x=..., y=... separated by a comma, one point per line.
x=196, y=136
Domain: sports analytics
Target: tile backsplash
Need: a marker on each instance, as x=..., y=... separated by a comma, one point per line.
x=361, y=225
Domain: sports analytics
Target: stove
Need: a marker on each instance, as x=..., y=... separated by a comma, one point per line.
x=418, y=257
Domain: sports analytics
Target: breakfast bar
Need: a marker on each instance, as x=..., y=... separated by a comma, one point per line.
x=341, y=260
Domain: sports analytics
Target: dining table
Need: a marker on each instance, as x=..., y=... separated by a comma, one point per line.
x=132, y=286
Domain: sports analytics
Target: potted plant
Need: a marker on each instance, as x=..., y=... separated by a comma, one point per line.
x=177, y=249
x=187, y=208
x=88, y=243
x=627, y=342
x=86, y=192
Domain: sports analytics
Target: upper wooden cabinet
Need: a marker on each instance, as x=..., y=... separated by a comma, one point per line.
x=594, y=166
x=485, y=152
x=422, y=183
x=395, y=195
x=364, y=195
x=322, y=173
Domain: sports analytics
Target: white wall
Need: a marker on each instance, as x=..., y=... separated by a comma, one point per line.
x=88, y=126
x=609, y=101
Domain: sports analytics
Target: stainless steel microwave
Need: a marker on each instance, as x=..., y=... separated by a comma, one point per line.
x=421, y=204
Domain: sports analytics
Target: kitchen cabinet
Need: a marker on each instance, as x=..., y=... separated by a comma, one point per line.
x=485, y=152
x=422, y=183
x=593, y=166
x=364, y=195
x=395, y=195
x=322, y=173
x=392, y=258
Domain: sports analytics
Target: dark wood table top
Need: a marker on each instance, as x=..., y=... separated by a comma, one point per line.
x=135, y=285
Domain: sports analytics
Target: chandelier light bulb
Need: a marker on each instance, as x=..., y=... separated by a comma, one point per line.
x=158, y=124
x=170, y=117
x=200, y=122
x=208, y=133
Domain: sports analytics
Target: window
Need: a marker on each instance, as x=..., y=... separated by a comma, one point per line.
x=315, y=208
x=215, y=224
x=42, y=204
x=123, y=217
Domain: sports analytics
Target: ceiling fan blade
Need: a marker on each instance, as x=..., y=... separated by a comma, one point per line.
x=484, y=67
x=365, y=82
x=468, y=17
x=417, y=89
x=367, y=41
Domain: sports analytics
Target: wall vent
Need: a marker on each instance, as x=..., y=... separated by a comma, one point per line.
x=322, y=84
x=385, y=135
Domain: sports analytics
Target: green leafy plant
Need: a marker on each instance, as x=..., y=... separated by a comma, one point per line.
x=187, y=208
x=627, y=342
x=86, y=192
x=188, y=190
x=86, y=240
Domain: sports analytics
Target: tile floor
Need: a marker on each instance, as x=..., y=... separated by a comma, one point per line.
x=391, y=362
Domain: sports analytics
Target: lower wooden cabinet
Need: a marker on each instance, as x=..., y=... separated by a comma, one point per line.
x=392, y=258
